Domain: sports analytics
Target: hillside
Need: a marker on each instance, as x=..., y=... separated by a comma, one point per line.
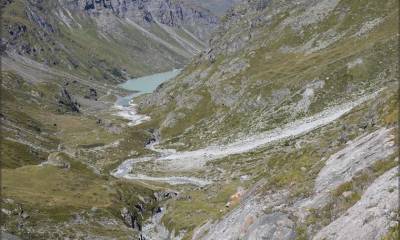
x=106, y=39
x=275, y=124
x=274, y=62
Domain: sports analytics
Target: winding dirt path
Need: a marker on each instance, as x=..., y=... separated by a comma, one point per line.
x=170, y=160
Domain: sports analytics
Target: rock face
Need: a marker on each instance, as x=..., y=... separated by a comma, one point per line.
x=248, y=220
x=274, y=226
x=66, y=102
x=92, y=94
x=357, y=155
x=167, y=12
x=132, y=220
x=370, y=217
x=7, y=236
x=218, y=7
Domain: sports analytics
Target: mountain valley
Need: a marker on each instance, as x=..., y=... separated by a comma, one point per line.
x=268, y=120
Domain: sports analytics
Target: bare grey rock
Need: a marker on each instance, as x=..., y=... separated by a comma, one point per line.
x=57, y=159
x=342, y=166
x=357, y=155
x=8, y=236
x=315, y=12
x=368, y=26
x=6, y=211
x=151, y=12
x=347, y=194
x=248, y=220
x=368, y=218
x=274, y=226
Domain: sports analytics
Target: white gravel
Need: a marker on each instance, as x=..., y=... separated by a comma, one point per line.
x=130, y=113
x=125, y=171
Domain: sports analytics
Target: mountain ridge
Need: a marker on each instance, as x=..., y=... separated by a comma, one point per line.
x=87, y=40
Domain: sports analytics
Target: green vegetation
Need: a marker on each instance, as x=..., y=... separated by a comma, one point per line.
x=55, y=187
x=52, y=196
x=196, y=207
x=15, y=154
x=393, y=234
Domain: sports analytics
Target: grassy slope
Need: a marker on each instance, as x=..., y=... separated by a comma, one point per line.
x=53, y=197
x=32, y=127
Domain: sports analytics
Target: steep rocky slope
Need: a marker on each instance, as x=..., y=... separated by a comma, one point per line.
x=106, y=40
x=273, y=62
x=218, y=7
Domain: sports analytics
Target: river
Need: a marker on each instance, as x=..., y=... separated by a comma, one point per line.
x=142, y=85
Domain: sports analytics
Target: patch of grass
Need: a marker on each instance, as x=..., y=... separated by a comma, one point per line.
x=393, y=234
x=347, y=186
x=382, y=166
x=53, y=197
x=390, y=112
x=301, y=233
x=294, y=168
x=55, y=187
x=197, y=207
x=14, y=154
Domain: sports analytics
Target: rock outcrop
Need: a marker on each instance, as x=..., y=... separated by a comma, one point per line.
x=167, y=12
x=66, y=102
x=371, y=216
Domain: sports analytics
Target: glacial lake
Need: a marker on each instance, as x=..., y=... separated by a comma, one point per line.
x=146, y=84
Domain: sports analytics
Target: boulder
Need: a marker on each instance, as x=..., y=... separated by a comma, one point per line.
x=92, y=94
x=66, y=103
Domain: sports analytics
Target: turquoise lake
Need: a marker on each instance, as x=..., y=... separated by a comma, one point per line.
x=146, y=84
